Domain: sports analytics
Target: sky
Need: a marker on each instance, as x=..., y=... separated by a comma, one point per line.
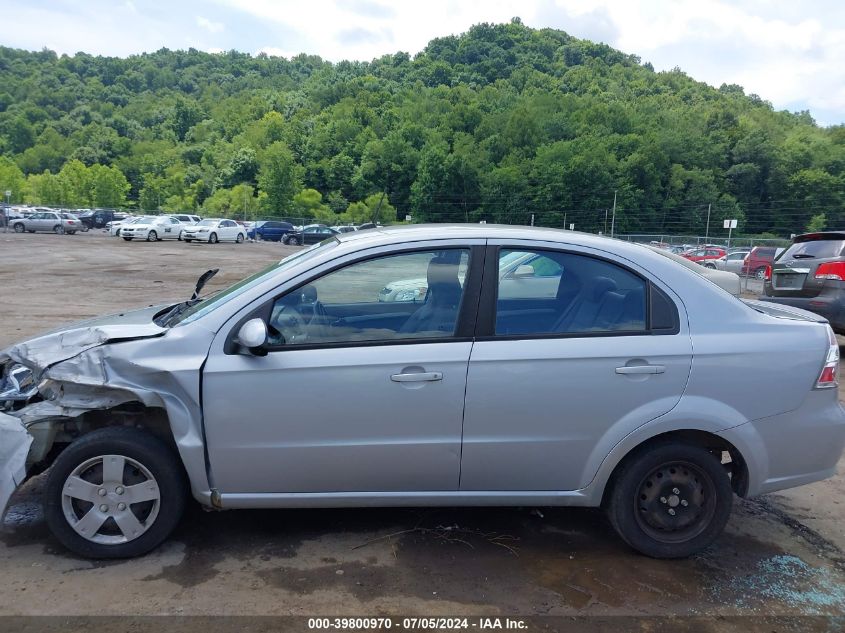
x=790, y=53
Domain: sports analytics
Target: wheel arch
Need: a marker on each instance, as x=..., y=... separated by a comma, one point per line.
x=736, y=466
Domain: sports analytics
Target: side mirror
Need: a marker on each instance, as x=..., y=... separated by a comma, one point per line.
x=253, y=336
x=523, y=270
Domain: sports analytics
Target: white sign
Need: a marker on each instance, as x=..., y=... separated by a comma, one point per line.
x=571, y=227
x=408, y=218
x=730, y=224
x=8, y=193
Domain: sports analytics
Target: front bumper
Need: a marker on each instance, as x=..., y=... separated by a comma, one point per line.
x=14, y=449
x=191, y=235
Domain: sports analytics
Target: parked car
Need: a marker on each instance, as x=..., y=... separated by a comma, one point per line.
x=152, y=228
x=727, y=281
x=732, y=262
x=309, y=235
x=49, y=221
x=810, y=274
x=759, y=260
x=344, y=228
x=213, y=230
x=97, y=218
x=114, y=226
x=620, y=391
x=269, y=230
x=705, y=256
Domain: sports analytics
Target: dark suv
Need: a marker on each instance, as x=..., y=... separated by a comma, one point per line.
x=810, y=274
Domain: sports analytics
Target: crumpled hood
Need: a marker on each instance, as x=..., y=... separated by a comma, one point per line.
x=61, y=344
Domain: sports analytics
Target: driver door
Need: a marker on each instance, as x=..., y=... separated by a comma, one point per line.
x=354, y=394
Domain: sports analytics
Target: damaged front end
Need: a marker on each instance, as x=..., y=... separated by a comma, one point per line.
x=59, y=386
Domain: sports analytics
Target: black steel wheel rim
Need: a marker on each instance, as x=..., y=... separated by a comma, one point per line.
x=675, y=502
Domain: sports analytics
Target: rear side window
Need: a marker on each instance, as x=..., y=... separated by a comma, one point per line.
x=818, y=249
x=547, y=292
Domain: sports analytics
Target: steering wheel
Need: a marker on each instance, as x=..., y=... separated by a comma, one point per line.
x=287, y=327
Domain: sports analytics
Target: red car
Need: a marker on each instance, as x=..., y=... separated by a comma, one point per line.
x=758, y=260
x=704, y=255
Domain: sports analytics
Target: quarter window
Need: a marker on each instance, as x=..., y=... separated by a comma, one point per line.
x=574, y=294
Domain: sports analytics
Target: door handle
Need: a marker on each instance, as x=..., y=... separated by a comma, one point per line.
x=641, y=369
x=425, y=376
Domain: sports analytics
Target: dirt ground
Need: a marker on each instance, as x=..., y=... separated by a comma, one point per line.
x=782, y=554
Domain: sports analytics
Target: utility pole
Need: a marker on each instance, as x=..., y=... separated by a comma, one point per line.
x=6, y=211
x=564, y=220
x=707, y=230
x=532, y=219
x=613, y=219
x=605, y=221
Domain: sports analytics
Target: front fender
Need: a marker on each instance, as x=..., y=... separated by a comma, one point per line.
x=14, y=448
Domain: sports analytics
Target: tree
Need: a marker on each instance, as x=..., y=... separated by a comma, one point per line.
x=817, y=223
x=11, y=179
x=279, y=179
x=108, y=187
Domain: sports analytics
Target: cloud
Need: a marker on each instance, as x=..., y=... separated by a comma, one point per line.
x=208, y=25
x=352, y=37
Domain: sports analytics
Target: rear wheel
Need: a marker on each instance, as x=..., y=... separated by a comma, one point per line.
x=128, y=239
x=212, y=239
x=760, y=273
x=710, y=266
x=114, y=493
x=58, y=229
x=187, y=241
x=670, y=500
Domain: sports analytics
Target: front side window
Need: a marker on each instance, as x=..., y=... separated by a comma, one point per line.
x=574, y=294
x=414, y=295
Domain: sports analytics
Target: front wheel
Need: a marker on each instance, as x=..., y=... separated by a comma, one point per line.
x=239, y=239
x=152, y=236
x=19, y=228
x=115, y=493
x=670, y=500
x=128, y=239
x=212, y=239
x=187, y=241
x=710, y=266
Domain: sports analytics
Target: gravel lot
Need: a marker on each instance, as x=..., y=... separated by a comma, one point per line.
x=782, y=554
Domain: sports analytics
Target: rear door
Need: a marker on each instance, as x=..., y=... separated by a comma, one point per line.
x=554, y=382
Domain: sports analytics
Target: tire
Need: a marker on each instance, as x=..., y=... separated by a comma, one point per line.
x=760, y=273
x=644, y=486
x=212, y=239
x=239, y=239
x=71, y=232
x=58, y=229
x=152, y=236
x=710, y=266
x=19, y=227
x=146, y=459
x=187, y=241
x=128, y=239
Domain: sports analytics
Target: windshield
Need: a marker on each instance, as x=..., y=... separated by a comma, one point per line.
x=208, y=223
x=224, y=296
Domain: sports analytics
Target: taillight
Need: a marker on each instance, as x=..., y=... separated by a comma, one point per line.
x=768, y=273
x=829, y=375
x=832, y=270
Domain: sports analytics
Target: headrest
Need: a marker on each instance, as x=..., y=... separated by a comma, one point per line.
x=442, y=272
x=306, y=294
x=602, y=285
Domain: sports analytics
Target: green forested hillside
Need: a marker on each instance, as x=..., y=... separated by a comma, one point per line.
x=498, y=123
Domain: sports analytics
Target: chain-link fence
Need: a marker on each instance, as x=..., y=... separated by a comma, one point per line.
x=694, y=241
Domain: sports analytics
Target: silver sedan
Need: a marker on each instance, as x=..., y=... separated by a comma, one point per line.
x=637, y=386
